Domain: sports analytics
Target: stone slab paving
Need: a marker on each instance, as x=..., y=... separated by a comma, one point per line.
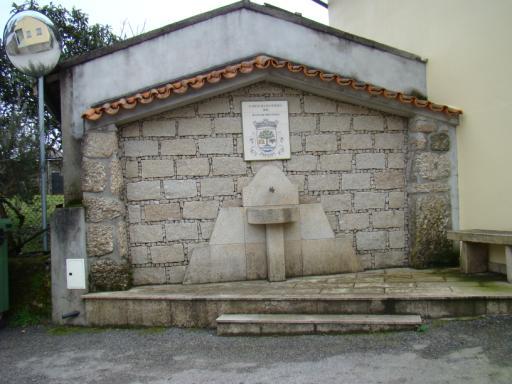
x=402, y=283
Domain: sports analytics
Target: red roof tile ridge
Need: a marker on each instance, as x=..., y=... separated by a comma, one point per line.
x=248, y=66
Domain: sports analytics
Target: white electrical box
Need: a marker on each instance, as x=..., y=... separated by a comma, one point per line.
x=75, y=273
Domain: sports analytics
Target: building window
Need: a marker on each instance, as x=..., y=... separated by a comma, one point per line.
x=28, y=34
x=39, y=31
x=19, y=36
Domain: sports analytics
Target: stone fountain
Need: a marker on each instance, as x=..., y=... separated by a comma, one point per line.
x=271, y=237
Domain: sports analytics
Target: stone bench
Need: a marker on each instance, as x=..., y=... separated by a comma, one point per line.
x=474, y=249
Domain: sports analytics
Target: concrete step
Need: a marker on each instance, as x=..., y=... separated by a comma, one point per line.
x=269, y=324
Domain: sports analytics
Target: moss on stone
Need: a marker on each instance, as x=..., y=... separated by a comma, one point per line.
x=107, y=275
x=430, y=246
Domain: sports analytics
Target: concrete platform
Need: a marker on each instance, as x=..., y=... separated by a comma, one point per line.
x=270, y=324
x=428, y=293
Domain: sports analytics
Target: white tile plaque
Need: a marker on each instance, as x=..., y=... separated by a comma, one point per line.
x=266, y=130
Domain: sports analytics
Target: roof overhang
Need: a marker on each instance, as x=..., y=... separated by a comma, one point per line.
x=228, y=35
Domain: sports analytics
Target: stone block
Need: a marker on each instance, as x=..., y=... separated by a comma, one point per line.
x=167, y=254
x=222, y=145
x=134, y=214
x=149, y=276
x=396, y=199
x=100, y=239
x=420, y=124
x=100, y=144
x=256, y=261
x=316, y=104
x=396, y=160
x=336, y=202
x=178, y=147
x=229, y=166
x=356, y=141
x=397, y=239
x=257, y=165
x=227, y=125
x=389, y=180
x=162, y=212
x=200, y=209
x=229, y=227
x=328, y=256
x=132, y=169
x=206, y=229
x=351, y=221
x=94, y=176
x=178, y=189
x=336, y=162
x=181, y=231
x=370, y=161
x=157, y=168
x=139, y=255
x=217, y=186
x=195, y=127
x=143, y=190
x=265, y=88
x=440, y=142
x=417, y=141
x=102, y=208
x=333, y=220
x=321, y=143
x=130, y=130
x=302, y=124
x=313, y=223
x=122, y=239
x=146, y=233
x=355, y=181
x=293, y=104
x=368, y=123
x=335, y=123
x=193, y=167
x=395, y=123
x=371, y=240
x=242, y=182
x=116, y=177
x=296, y=144
x=176, y=274
x=432, y=166
x=388, y=219
x=302, y=163
x=159, y=128
x=297, y=180
x=323, y=182
x=139, y=148
x=389, y=140
x=227, y=203
x=368, y=200
x=214, y=106
x=390, y=259
x=108, y=275
x=187, y=111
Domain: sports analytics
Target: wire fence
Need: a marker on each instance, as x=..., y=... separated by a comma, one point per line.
x=26, y=237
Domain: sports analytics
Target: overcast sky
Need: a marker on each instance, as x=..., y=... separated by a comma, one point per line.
x=142, y=16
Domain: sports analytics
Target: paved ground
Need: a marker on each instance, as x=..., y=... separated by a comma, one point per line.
x=393, y=282
x=475, y=351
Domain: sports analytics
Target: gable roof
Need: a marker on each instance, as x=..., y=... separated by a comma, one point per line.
x=266, y=9
x=182, y=86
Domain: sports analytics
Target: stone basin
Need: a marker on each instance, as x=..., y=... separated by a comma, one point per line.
x=272, y=215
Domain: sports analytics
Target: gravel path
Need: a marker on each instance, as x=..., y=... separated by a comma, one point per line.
x=473, y=351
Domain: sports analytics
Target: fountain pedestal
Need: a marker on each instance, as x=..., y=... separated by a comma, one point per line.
x=274, y=219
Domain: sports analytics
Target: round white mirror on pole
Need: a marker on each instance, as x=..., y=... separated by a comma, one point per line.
x=32, y=44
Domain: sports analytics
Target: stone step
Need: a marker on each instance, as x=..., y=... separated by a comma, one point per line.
x=268, y=324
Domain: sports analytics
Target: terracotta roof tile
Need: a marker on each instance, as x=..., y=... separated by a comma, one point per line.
x=259, y=62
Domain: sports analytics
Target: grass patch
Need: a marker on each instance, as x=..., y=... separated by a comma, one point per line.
x=71, y=330
x=29, y=291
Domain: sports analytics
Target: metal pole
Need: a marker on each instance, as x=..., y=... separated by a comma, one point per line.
x=42, y=159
